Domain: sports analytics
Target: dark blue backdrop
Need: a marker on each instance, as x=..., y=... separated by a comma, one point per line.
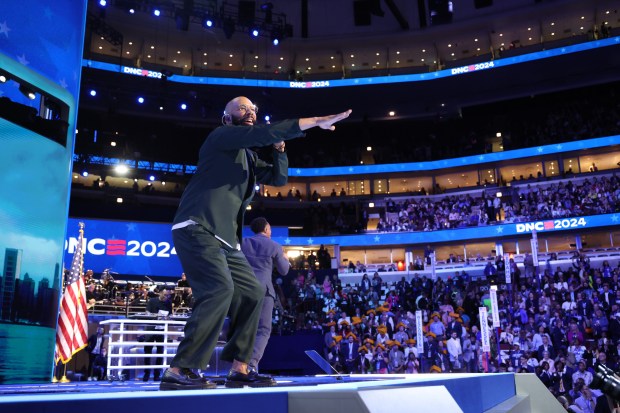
x=124, y=247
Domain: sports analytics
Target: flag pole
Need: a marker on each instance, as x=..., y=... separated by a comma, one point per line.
x=54, y=379
x=64, y=378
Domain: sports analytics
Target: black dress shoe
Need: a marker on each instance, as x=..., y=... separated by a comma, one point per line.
x=237, y=379
x=185, y=380
x=261, y=377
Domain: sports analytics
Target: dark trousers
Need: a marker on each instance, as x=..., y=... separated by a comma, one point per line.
x=222, y=283
x=91, y=362
x=148, y=350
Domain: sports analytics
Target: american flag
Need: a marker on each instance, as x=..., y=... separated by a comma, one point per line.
x=72, y=331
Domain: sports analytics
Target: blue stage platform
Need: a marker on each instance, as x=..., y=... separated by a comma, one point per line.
x=469, y=393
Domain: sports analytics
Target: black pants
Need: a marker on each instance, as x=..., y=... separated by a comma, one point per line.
x=148, y=350
x=223, y=283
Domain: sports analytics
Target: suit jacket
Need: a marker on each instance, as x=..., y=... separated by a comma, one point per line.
x=264, y=254
x=92, y=342
x=344, y=351
x=550, y=349
x=454, y=326
x=223, y=186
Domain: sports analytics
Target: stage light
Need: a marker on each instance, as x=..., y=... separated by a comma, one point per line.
x=85, y=174
x=156, y=12
x=276, y=36
x=93, y=92
x=27, y=92
x=103, y=3
x=140, y=99
x=254, y=32
x=183, y=106
x=132, y=10
x=163, y=183
x=207, y=20
x=119, y=200
x=3, y=79
x=121, y=169
x=151, y=178
x=267, y=118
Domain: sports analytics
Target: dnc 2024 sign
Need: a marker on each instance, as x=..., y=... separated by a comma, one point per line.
x=130, y=248
x=124, y=247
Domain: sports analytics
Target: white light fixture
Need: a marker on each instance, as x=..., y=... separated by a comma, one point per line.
x=121, y=169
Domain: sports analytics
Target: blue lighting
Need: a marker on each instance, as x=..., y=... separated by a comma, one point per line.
x=151, y=178
x=378, y=80
x=140, y=99
x=255, y=32
x=85, y=174
x=156, y=12
x=267, y=118
x=276, y=42
x=183, y=106
x=131, y=11
x=209, y=23
x=93, y=92
x=103, y=3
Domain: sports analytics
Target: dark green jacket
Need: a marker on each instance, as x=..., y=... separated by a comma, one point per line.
x=218, y=195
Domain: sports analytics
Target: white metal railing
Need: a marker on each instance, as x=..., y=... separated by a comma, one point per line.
x=127, y=339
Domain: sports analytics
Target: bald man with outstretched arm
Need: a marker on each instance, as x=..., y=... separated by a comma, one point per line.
x=207, y=236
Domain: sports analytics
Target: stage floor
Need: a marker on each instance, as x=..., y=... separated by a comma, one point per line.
x=139, y=385
x=469, y=393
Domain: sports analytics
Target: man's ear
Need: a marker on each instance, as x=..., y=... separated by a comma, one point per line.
x=226, y=119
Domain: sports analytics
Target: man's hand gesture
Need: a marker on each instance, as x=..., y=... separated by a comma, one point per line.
x=323, y=122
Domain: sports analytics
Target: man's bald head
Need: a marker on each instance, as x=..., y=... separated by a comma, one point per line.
x=240, y=111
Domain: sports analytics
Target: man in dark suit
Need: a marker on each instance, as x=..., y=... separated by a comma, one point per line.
x=349, y=353
x=546, y=346
x=264, y=255
x=454, y=325
x=96, y=343
x=562, y=378
x=207, y=232
x=162, y=307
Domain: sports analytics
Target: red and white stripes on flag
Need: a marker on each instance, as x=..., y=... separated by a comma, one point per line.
x=72, y=331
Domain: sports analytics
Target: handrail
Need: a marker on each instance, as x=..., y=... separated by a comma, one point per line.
x=126, y=342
